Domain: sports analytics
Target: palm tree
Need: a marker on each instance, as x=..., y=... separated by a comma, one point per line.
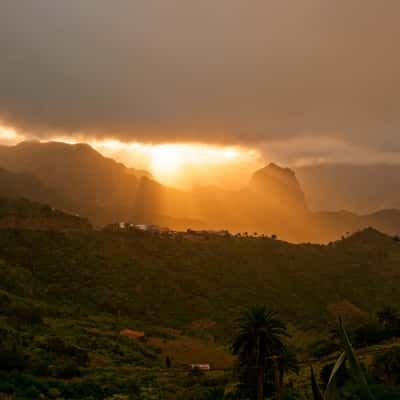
x=286, y=362
x=259, y=339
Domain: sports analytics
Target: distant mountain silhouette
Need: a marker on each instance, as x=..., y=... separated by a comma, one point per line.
x=330, y=225
x=16, y=185
x=80, y=180
x=358, y=188
x=281, y=182
x=77, y=172
x=272, y=202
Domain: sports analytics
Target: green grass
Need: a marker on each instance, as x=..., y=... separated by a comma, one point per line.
x=65, y=297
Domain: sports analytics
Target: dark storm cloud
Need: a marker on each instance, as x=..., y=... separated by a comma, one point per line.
x=221, y=70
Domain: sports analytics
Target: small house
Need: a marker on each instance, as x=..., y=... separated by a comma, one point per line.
x=200, y=367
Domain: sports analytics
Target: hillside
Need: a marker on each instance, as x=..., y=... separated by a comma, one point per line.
x=173, y=281
x=65, y=298
x=26, y=214
x=15, y=185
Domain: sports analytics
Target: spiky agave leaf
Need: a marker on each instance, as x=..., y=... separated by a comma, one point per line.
x=354, y=364
x=317, y=394
x=331, y=391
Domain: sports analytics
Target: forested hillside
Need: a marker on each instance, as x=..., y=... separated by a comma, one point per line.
x=66, y=297
x=174, y=281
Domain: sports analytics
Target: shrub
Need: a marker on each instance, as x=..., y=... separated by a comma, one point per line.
x=58, y=347
x=370, y=333
x=292, y=394
x=11, y=359
x=7, y=388
x=54, y=393
x=387, y=367
x=41, y=368
x=84, y=390
x=31, y=316
x=31, y=393
x=68, y=370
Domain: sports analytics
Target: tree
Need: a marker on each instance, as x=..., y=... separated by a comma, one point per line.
x=389, y=317
x=286, y=362
x=387, y=367
x=258, y=341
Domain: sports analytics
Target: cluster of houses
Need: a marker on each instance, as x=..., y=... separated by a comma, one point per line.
x=144, y=227
x=188, y=234
x=120, y=226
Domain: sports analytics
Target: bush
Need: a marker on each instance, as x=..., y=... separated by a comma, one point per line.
x=84, y=390
x=54, y=393
x=41, y=368
x=387, y=367
x=323, y=348
x=68, y=370
x=58, y=347
x=7, y=388
x=11, y=360
x=31, y=393
x=292, y=394
x=372, y=332
x=31, y=316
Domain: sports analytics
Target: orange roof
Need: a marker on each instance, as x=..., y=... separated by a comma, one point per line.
x=131, y=333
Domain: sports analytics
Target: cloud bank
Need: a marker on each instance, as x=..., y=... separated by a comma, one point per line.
x=221, y=71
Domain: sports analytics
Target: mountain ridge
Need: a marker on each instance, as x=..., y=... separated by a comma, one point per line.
x=273, y=202
x=362, y=188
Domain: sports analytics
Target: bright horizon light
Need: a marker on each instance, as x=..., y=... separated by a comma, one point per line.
x=8, y=135
x=180, y=164
x=174, y=164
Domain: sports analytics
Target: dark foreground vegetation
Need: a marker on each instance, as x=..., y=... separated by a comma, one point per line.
x=65, y=298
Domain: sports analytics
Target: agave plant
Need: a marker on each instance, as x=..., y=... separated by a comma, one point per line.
x=331, y=391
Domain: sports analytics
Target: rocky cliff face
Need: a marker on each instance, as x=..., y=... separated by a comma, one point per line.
x=280, y=186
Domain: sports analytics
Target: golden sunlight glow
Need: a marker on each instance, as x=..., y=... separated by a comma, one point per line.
x=184, y=164
x=170, y=159
x=8, y=135
x=178, y=164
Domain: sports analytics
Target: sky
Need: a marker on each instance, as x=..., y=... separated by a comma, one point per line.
x=293, y=81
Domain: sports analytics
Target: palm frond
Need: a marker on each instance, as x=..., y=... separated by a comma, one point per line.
x=354, y=364
x=331, y=391
x=317, y=394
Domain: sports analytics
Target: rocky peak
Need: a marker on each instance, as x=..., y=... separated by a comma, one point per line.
x=279, y=183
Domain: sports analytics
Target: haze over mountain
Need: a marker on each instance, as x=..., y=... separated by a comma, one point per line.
x=357, y=188
x=26, y=185
x=79, y=179
x=79, y=173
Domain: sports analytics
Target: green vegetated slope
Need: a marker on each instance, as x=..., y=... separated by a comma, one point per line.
x=173, y=282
